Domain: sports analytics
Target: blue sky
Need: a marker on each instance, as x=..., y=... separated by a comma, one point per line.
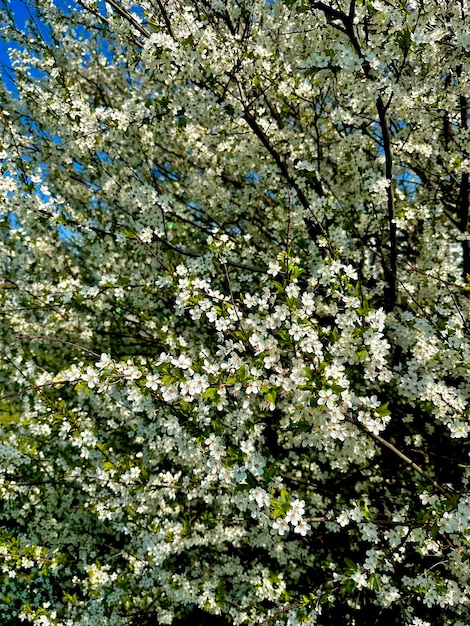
x=20, y=9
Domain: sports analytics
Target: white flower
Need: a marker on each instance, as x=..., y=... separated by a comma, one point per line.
x=343, y=519
x=249, y=300
x=274, y=268
x=105, y=361
x=91, y=377
x=293, y=517
x=327, y=397
x=183, y=362
x=298, y=506
x=152, y=381
x=302, y=528
x=281, y=525
x=255, y=464
x=292, y=291
x=360, y=579
x=239, y=474
x=260, y=496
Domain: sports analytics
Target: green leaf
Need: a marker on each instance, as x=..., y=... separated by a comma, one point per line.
x=382, y=411
x=374, y=582
x=129, y=233
x=350, y=564
x=403, y=39
x=209, y=393
x=277, y=513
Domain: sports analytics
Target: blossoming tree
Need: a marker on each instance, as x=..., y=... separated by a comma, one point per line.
x=235, y=312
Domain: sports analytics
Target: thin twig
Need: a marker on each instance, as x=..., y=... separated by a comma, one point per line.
x=445, y=492
x=55, y=340
x=36, y=387
x=129, y=18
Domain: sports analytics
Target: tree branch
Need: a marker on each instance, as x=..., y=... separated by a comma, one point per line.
x=129, y=18
x=445, y=492
x=464, y=194
x=347, y=28
x=391, y=270
x=315, y=229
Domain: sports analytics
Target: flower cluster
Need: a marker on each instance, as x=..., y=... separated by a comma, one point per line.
x=234, y=297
